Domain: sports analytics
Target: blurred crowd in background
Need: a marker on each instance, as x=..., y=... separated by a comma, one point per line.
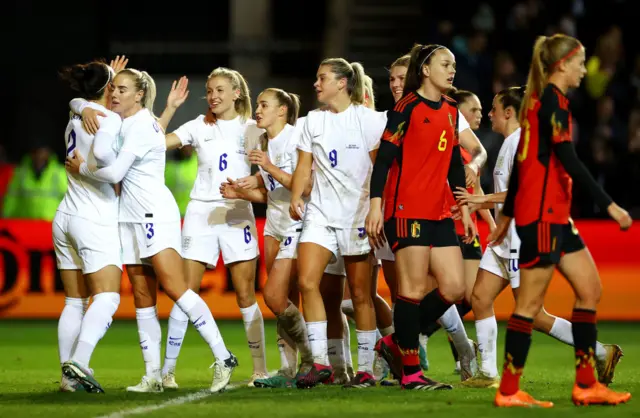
x=492, y=42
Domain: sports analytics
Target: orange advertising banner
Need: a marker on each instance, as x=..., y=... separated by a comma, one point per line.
x=30, y=286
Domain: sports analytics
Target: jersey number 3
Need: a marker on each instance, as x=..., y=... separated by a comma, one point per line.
x=522, y=155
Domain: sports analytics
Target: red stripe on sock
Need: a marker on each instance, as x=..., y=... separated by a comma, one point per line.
x=583, y=315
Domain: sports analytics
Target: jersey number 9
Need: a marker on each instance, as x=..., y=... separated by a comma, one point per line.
x=333, y=157
x=272, y=182
x=223, y=162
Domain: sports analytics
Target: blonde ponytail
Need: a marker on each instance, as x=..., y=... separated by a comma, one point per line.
x=358, y=86
x=548, y=54
x=537, y=79
x=150, y=91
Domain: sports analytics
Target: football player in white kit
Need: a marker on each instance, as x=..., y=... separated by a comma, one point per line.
x=276, y=157
x=213, y=224
x=150, y=226
x=384, y=316
x=341, y=140
x=499, y=264
x=85, y=234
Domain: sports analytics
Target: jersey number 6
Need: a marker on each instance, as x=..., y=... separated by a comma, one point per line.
x=223, y=162
x=442, y=144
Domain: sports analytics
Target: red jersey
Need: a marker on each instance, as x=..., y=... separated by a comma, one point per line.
x=426, y=133
x=451, y=200
x=543, y=187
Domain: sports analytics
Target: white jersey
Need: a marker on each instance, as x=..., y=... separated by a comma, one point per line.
x=283, y=153
x=510, y=246
x=145, y=198
x=88, y=198
x=340, y=144
x=223, y=151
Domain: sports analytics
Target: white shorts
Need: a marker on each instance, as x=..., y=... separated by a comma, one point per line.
x=507, y=268
x=288, y=243
x=344, y=242
x=212, y=227
x=143, y=240
x=385, y=253
x=336, y=267
x=84, y=245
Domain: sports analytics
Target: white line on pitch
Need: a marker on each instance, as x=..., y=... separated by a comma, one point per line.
x=180, y=400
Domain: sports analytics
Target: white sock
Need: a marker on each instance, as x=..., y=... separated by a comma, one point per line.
x=387, y=331
x=346, y=336
x=288, y=352
x=347, y=307
x=317, y=332
x=294, y=326
x=335, y=349
x=150, y=339
x=201, y=318
x=366, y=353
x=177, y=328
x=487, y=334
x=95, y=324
x=452, y=323
x=254, y=328
x=562, y=330
x=69, y=326
x=423, y=339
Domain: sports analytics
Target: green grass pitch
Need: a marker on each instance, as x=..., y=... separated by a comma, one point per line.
x=29, y=376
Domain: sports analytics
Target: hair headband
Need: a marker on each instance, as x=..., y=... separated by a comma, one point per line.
x=428, y=55
x=109, y=79
x=566, y=57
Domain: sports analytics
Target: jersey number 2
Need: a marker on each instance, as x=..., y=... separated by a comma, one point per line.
x=272, y=183
x=71, y=142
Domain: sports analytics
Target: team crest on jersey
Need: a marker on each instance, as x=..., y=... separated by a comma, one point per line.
x=415, y=229
x=278, y=159
x=499, y=162
x=186, y=243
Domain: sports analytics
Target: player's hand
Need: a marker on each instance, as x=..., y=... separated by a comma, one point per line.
x=374, y=226
x=468, y=225
x=178, y=93
x=119, y=64
x=260, y=158
x=621, y=216
x=296, y=209
x=502, y=228
x=247, y=183
x=470, y=176
x=209, y=118
x=73, y=163
x=229, y=191
x=90, y=120
x=463, y=196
